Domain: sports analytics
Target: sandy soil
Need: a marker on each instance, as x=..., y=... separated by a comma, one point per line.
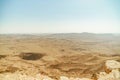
x=55, y=55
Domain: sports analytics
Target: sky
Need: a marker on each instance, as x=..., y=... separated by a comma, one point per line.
x=59, y=16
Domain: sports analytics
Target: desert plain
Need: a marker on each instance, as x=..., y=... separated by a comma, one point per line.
x=55, y=55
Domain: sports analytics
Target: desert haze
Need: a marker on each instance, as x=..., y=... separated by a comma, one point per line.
x=54, y=55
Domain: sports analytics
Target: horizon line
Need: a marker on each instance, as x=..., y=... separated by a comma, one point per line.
x=61, y=33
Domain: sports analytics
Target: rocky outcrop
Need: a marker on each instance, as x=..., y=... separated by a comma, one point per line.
x=112, y=72
x=18, y=76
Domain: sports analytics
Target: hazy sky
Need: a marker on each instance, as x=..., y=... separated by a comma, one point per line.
x=59, y=16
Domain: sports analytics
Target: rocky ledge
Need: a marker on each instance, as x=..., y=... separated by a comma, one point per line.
x=111, y=72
